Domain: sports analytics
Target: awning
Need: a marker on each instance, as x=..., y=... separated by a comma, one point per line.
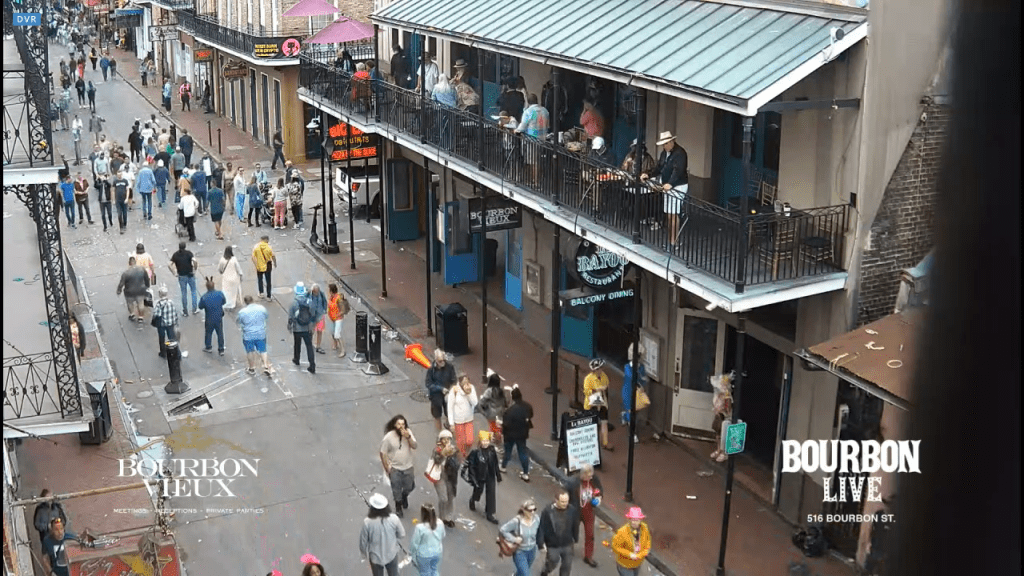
x=127, y=12
x=342, y=30
x=878, y=358
x=735, y=57
x=307, y=8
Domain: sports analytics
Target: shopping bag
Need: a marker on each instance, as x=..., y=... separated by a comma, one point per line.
x=642, y=399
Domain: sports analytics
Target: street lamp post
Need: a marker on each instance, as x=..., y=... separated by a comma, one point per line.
x=331, y=245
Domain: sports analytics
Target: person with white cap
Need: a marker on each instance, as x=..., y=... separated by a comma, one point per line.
x=162, y=176
x=379, y=539
x=672, y=173
x=631, y=543
x=599, y=151
x=302, y=316
x=595, y=397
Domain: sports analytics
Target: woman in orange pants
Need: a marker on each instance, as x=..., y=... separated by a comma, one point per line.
x=462, y=401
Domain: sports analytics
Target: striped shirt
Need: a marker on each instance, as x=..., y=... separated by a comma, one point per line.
x=165, y=309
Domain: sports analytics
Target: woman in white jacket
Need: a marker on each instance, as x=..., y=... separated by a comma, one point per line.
x=462, y=402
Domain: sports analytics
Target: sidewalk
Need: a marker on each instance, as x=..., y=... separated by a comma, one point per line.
x=686, y=531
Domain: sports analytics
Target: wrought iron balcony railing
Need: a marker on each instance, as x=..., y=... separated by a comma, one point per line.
x=774, y=246
x=253, y=41
x=26, y=90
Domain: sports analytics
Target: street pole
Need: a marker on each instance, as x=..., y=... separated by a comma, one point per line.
x=351, y=182
x=634, y=383
x=556, y=327
x=381, y=163
x=323, y=176
x=741, y=338
x=428, y=185
x=741, y=260
x=638, y=159
x=483, y=276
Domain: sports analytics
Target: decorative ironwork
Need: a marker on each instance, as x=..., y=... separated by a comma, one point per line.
x=27, y=126
x=29, y=386
x=246, y=41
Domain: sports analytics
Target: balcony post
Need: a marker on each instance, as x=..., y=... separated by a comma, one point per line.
x=375, y=95
x=556, y=80
x=480, y=119
x=741, y=252
x=638, y=158
x=421, y=73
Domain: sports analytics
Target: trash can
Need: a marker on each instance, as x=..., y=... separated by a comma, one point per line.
x=102, y=427
x=452, y=328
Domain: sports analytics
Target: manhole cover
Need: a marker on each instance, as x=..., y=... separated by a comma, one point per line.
x=83, y=242
x=420, y=396
x=144, y=394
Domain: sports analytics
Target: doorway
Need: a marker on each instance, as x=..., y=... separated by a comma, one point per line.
x=728, y=151
x=760, y=395
x=700, y=354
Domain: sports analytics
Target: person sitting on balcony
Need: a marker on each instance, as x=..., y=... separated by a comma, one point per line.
x=426, y=79
x=592, y=120
x=511, y=100
x=467, y=96
x=599, y=151
x=444, y=92
x=629, y=163
x=344, y=62
x=361, y=87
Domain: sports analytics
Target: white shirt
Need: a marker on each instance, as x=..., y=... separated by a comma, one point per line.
x=461, y=405
x=431, y=76
x=239, y=184
x=76, y=128
x=146, y=133
x=189, y=204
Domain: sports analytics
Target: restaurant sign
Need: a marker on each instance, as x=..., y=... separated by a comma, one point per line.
x=235, y=70
x=502, y=214
x=579, y=297
x=274, y=48
x=202, y=55
x=599, y=267
x=363, y=145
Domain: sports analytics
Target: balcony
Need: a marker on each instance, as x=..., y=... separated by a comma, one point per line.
x=172, y=5
x=765, y=247
x=252, y=43
x=27, y=129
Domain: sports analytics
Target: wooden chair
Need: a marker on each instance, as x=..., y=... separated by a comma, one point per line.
x=782, y=245
x=819, y=245
x=768, y=194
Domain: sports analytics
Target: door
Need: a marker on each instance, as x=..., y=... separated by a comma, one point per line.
x=514, y=269
x=403, y=184
x=700, y=351
x=266, y=109
x=252, y=101
x=241, y=100
x=764, y=154
x=461, y=249
x=234, y=118
x=577, y=324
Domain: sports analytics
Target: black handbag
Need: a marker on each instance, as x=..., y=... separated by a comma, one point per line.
x=156, y=322
x=148, y=302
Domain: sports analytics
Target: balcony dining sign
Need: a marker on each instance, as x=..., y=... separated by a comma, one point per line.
x=363, y=145
x=276, y=48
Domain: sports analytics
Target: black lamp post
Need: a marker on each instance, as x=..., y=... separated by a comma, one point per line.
x=331, y=245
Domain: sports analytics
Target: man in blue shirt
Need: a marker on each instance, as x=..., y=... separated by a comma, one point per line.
x=212, y=303
x=199, y=187
x=252, y=319
x=55, y=548
x=67, y=189
x=145, y=185
x=162, y=176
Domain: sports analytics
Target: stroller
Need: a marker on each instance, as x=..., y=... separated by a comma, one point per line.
x=267, y=209
x=179, y=227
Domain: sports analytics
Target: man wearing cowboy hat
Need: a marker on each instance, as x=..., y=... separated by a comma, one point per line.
x=464, y=74
x=671, y=172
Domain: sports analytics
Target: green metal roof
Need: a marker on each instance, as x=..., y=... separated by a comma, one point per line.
x=733, y=51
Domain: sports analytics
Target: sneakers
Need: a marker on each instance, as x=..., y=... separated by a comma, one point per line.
x=208, y=350
x=295, y=227
x=502, y=468
x=524, y=477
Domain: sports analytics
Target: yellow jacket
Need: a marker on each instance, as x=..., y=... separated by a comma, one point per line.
x=593, y=383
x=623, y=545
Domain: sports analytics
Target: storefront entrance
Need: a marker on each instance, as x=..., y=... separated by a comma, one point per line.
x=762, y=390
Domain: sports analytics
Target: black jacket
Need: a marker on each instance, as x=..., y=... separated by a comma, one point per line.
x=482, y=465
x=548, y=536
x=400, y=68
x=439, y=380
x=517, y=421
x=513, y=103
x=572, y=485
x=672, y=167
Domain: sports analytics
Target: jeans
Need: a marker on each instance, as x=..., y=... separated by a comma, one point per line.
x=623, y=571
x=69, y=213
x=203, y=204
x=185, y=283
x=259, y=281
x=122, y=215
x=560, y=556
x=297, y=214
x=390, y=567
x=524, y=457
x=428, y=566
x=161, y=191
x=163, y=335
x=299, y=338
x=83, y=208
x=219, y=329
x=240, y=205
x=106, y=214
x=403, y=482
x=278, y=153
x=147, y=204
x=523, y=560
x=104, y=74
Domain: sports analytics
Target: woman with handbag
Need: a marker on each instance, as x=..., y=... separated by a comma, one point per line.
x=643, y=401
x=518, y=538
x=595, y=397
x=443, y=472
x=426, y=545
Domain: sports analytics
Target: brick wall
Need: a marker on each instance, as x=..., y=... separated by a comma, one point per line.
x=903, y=230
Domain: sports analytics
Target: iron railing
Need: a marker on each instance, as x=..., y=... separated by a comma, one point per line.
x=28, y=139
x=775, y=246
x=30, y=386
x=244, y=40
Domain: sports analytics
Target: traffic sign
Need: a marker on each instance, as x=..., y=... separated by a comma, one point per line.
x=735, y=438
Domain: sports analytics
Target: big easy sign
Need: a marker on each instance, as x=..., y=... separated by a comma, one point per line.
x=351, y=140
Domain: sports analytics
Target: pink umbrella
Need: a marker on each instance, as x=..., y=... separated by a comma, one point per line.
x=342, y=30
x=309, y=8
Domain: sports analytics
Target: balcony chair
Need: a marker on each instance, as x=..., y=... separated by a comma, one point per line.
x=817, y=246
x=781, y=244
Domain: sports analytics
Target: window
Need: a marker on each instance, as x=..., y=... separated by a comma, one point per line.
x=252, y=102
x=772, y=140
x=277, y=104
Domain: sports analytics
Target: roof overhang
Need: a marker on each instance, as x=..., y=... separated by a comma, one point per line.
x=25, y=176
x=47, y=425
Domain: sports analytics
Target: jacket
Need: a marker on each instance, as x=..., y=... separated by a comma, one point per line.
x=134, y=282
x=450, y=470
x=623, y=545
x=493, y=403
x=293, y=313
x=546, y=534
x=572, y=485
x=517, y=421
x=672, y=167
x=439, y=380
x=482, y=465
x=461, y=405
x=46, y=512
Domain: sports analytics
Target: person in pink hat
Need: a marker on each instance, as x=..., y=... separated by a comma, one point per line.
x=631, y=543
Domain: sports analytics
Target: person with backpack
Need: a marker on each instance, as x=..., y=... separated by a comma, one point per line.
x=301, y=319
x=337, y=308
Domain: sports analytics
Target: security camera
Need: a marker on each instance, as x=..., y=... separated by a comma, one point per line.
x=313, y=124
x=836, y=34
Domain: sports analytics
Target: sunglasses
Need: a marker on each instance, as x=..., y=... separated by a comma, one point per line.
x=531, y=509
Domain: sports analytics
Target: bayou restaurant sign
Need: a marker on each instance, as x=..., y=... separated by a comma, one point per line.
x=363, y=145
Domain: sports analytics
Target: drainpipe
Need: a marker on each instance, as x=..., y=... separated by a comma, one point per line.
x=482, y=263
x=556, y=80
x=376, y=93
x=480, y=119
x=428, y=185
x=741, y=253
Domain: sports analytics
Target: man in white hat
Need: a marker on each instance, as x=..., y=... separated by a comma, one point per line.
x=381, y=536
x=302, y=317
x=672, y=174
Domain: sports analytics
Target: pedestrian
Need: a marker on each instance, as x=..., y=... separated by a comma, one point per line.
x=183, y=265
x=294, y=190
x=81, y=67
x=252, y=192
x=595, y=397
x=104, y=66
x=135, y=285
x=145, y=185
x=586, y=486
x=302, y=316
x=628, y=395
x=426, y=545
x=135, y=142
x=143, y=71
x=238, y=194
x=46, y=512
x=515, y=428
x=261, y=176
x=380, y=537
x=82, y=199
x=80, y=89
x=252, y=320
x=721, y=404
x=397, y=459
x=166, y=93
x=163, y=140
x=337, y=308
x=54, y=548
x=278, y=150
x=462, y=401
x=265, y=261
x=440, y=377
x=145, y=261
x=189, y=206
x=67, y=188
x=316, y=295
x=200, y=189
x=64, y=110
x=312, y=567
x=103, y=194
x=215, y=199
x=631, y=543
x=96, y=125
x=212, y=304
x=93, y=57
x=76, y=137
x=559, y=531
x=113, y=68
x=165, y=319
x=187, y=145
x=161, y=176
x=90, y=91
x=184, y=185
x=231, y=278
x=443, y=472
x=522, y=531
x=492, y=405
x=482, y=473
x=185, y=93
x=177, y=168
x=280, y=195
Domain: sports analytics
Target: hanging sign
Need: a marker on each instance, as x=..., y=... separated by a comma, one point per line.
x=502, y=214
x=235, y=70
x=581, y=441
x=202, y=55
x=363, y=145
x=163, y=32
x=586, y=297
x=599, y=267
x=270, y=48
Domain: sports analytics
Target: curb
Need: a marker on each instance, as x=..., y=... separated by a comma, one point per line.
x=557, y=473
